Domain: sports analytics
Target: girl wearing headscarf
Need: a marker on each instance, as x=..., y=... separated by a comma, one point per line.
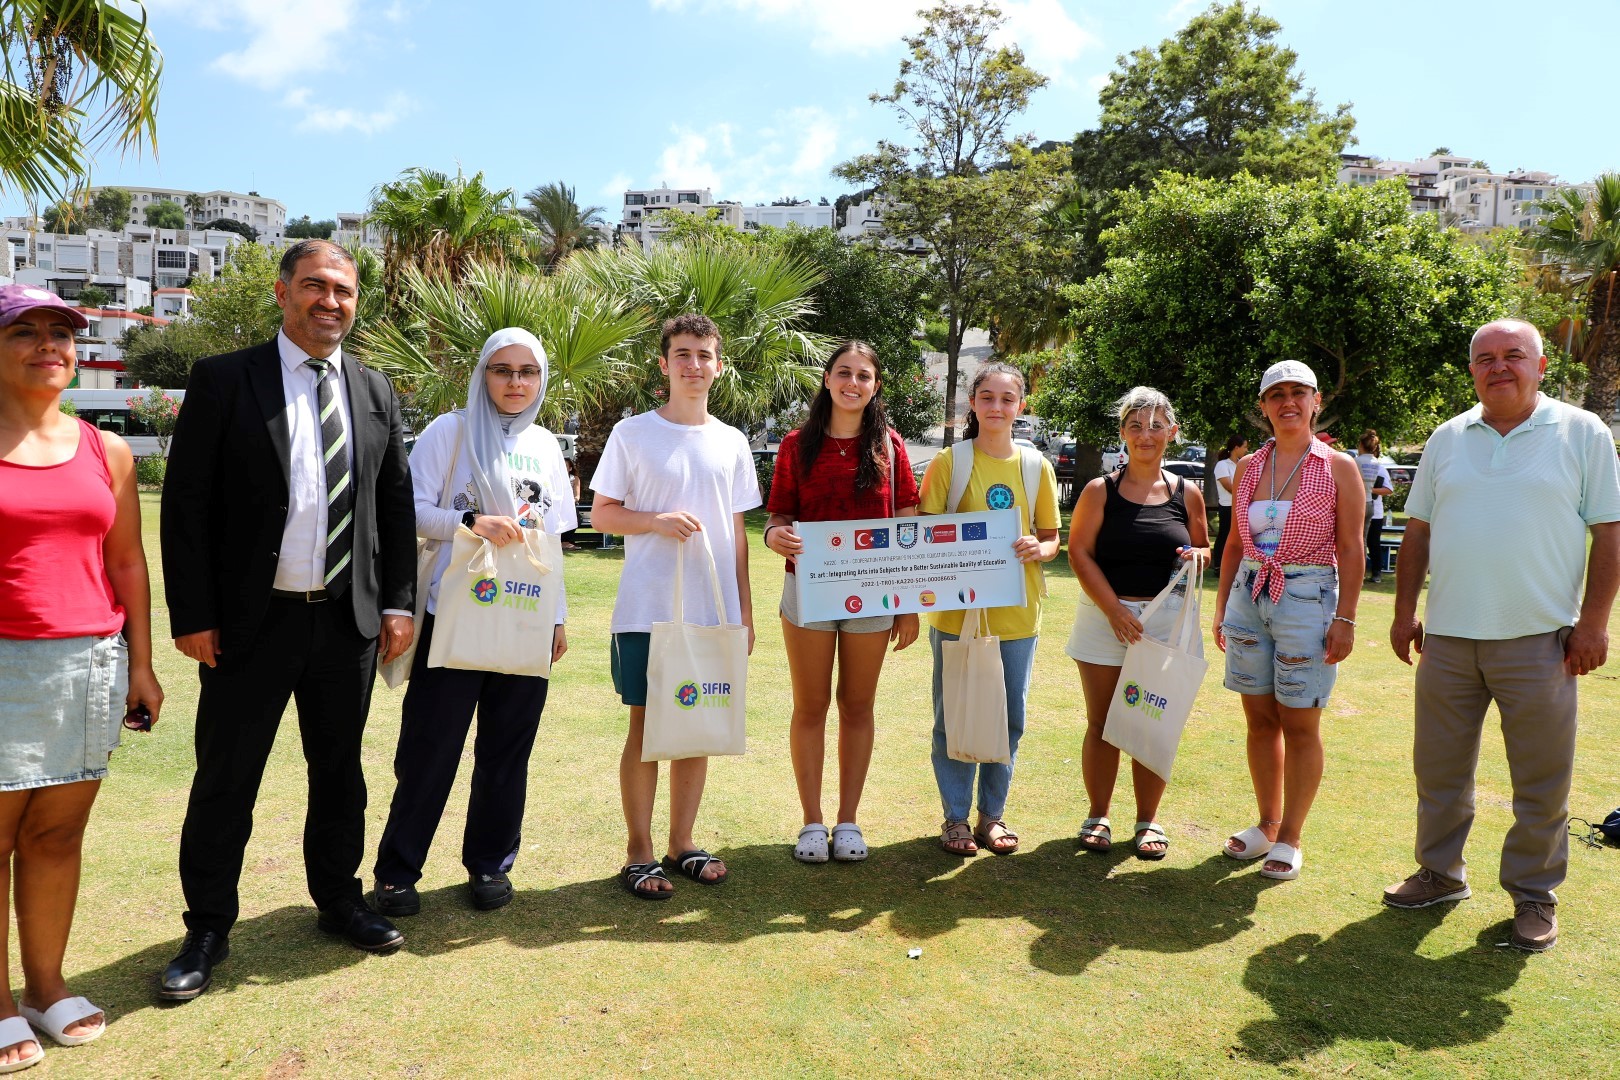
x=503, y=473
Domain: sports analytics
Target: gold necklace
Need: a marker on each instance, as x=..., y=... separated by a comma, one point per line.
x=843, y=450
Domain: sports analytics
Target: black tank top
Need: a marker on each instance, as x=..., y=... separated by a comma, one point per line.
x=1136, y=545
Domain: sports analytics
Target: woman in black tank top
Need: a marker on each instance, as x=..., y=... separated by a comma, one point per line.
x=1129, y=535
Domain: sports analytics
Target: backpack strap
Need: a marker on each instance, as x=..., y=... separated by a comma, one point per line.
x=961, y=473
x=1031, y=464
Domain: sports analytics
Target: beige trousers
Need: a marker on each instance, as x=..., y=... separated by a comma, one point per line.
x=1457, y=678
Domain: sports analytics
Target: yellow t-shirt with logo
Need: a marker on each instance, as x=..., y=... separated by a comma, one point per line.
x=1007, y=623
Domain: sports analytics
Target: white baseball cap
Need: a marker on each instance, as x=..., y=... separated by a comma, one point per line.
x=1287, y=371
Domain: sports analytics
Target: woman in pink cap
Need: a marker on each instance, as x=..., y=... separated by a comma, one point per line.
x=75, y=653
x=1283, y=616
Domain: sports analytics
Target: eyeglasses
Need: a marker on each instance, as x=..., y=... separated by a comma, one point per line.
x=526, y=374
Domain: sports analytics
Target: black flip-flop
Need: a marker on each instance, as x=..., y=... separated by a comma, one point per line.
x=634, y=875
x=693, y=863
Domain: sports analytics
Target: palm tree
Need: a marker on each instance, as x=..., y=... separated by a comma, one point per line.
x=589, y=336
x=760, y=300
x=442, y=224
x=79, y=74
x=1582, y=232
x=563, y=224
x=194, y=209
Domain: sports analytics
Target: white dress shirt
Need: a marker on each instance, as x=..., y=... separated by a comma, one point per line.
x=302, y=564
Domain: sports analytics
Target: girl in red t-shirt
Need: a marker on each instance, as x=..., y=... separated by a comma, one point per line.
x=845, y=463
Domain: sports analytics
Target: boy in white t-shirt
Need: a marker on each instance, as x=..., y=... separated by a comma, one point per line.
x=664, y=475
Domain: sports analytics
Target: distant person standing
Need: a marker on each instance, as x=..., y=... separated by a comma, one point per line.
x=1500, y=509
x=1375, y=477
x=289, y=546
x=1225, y=474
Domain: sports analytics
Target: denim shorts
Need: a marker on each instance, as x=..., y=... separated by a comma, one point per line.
x=63, y=704
x=1280, y=649
x=789, y=609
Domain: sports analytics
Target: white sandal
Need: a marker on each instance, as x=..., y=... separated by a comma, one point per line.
x=15, y=1030
x=1284, y=854
x=54, y=1020
x=1255, y=844
x=848, y=845
x=812, y=846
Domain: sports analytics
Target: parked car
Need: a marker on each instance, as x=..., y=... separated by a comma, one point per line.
x=1191, y=452
x=1026, y=442
x=1402, y=475
x=1192, y=470
x=1063, y=463
x=1113, y=457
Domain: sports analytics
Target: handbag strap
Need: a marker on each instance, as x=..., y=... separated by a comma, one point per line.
x=714, y=579
x=1187, y=623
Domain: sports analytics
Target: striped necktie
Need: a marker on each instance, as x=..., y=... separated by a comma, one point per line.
x=339, y=491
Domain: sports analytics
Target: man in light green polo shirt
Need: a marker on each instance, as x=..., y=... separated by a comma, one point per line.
x=1500, y=509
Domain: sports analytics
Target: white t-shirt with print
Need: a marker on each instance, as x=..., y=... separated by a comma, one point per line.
x=542, y=494
x=707, y=470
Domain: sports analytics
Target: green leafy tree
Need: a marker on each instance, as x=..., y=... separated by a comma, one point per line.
x=79, y=75
x=109, y=209
x=162, y=356
x=239, y=307
x=303, y=228
x=442, y=224
x=240, y=228
x=1212, y=281
x=166, y=215
x=1581, y=232
x=158, y=411
x=1219, y=98
x=65, y=217
x=563, y=225
x=957, y=97
x=94, y=296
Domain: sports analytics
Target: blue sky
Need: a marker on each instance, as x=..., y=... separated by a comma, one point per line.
x=314, y=102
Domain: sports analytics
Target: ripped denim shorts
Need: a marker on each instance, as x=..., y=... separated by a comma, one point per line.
x=1280, y=649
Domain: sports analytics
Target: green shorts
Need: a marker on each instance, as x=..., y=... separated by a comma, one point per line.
x=629, y=666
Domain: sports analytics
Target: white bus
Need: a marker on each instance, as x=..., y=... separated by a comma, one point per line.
x=109, y=411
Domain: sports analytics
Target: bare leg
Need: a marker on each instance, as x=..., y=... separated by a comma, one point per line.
x=1265, y=746
x=860, y=662
x=638, y=787
x=12, y=804
x=1302, y=773
x=686, y=779
x=810, y=664
x=1099, y=760
x=49, y=842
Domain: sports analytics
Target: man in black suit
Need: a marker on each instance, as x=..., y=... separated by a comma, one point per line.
x=288, y=534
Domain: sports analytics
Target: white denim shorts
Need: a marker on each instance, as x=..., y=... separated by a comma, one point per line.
x=62, y=701
x=1092, y=639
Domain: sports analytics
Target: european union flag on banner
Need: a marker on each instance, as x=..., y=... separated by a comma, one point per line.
x=973, y=530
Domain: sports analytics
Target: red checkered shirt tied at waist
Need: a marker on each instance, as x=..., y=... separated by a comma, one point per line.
x=1310, y=532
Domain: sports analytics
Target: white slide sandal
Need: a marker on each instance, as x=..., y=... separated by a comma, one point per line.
x=54, y=1020
x=1284, y=854
x=14, y=1030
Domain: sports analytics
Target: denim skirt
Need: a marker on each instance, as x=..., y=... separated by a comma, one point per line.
x=61, y=708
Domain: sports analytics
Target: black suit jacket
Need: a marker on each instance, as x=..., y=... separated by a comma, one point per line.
x=225, y=497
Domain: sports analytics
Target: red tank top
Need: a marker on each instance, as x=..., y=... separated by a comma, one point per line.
x=53, y=521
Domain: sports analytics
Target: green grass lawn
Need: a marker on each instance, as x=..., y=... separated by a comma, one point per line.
x=1050, y=962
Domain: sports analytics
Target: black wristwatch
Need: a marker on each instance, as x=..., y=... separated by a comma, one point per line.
x=468, y=518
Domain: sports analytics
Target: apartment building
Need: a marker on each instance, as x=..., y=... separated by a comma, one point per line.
x=641, y=217
x=807, y=214
x=1461, y=189
x=268, y=216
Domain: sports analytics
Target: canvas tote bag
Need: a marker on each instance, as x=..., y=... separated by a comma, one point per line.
x=1159, y=680
x=697, y=678
x=974, y=686
x=498, y=605
x=398, y=670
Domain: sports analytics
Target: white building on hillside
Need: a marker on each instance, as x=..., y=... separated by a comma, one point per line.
x=865, y=219
x=806, y=214
x=1460, y=188
x=354, y=230
x=642, y=211
x=268, y=216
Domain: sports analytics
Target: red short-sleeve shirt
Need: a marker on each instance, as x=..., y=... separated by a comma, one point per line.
x=828, y=493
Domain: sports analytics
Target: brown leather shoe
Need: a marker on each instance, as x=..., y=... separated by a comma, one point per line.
x=1424, y=888
x=1535, y=926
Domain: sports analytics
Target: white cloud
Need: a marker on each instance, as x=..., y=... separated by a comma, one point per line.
x=1180, y=11
x=791, y=156
x=1097, y=82
x=1051, y=40
x=326, y=119
x=617, y=184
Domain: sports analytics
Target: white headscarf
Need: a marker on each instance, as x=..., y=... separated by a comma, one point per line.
x=486, y=430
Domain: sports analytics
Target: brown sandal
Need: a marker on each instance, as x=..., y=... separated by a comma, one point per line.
x=957, y=833
x=996, y=843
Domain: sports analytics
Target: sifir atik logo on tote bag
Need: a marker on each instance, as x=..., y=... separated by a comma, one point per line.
x=711, y=695
x=1150, y=703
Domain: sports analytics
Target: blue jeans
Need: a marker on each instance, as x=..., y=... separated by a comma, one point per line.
x=955, y=778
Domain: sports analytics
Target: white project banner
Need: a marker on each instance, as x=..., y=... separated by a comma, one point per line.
x=888, y=566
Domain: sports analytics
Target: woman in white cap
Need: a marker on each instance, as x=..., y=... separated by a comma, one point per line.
x=75, y=654
x=505, y=474
x=1283, y=617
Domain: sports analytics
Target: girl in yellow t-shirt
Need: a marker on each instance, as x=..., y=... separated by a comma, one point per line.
x=995, y=399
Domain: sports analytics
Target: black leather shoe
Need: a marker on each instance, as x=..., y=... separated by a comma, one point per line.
x=364, y=928
x=396, y=900
x=490, y=891
x=189, y=973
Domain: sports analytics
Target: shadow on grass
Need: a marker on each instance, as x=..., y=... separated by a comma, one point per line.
x=1368, y=982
